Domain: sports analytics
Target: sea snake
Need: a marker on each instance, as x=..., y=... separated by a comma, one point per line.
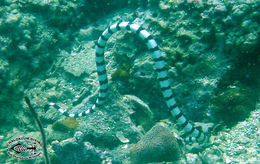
x=191, y=133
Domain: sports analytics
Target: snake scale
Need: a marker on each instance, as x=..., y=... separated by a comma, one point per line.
x=192, y=133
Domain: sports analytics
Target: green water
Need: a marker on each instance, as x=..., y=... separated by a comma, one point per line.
x=211, y=50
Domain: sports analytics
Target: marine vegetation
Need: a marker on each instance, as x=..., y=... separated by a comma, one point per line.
x=37, y=120
x=66, y=125
x=122, y=73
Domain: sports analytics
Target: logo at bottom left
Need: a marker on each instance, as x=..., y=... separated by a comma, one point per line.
x=24, y=148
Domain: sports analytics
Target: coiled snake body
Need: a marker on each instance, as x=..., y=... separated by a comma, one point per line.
x=193, y=133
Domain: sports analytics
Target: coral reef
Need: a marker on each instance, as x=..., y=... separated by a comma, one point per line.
x=211, y=49
x=234, y=104
x=157, y=145
x=68, y=151
x=141, y=114
x=237, y=144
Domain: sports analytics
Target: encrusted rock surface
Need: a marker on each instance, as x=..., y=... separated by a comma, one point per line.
x=210, y=48
x=157, y=145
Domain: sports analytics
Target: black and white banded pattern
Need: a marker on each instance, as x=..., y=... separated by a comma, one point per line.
x=192, y=133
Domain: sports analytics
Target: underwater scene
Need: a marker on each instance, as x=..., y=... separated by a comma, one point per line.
x=129, y=82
